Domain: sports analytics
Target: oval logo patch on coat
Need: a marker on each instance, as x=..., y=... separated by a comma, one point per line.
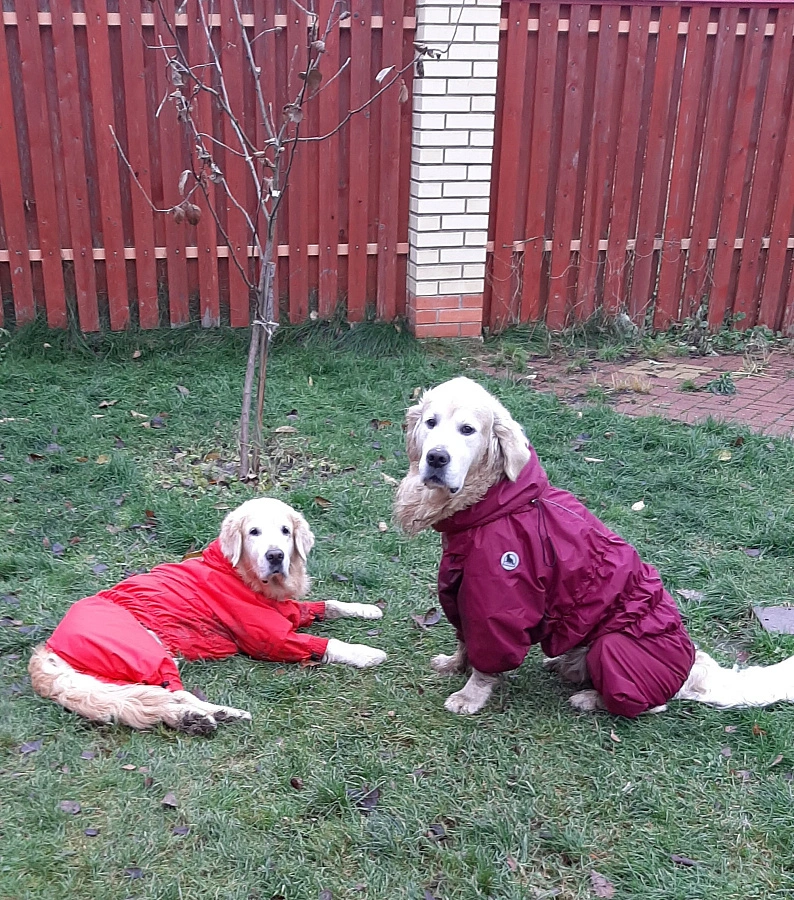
x=510, y=561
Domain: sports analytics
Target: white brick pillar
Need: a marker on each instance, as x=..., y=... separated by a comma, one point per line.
x=452, y=149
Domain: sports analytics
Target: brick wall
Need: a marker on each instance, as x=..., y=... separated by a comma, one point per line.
x=453, y=128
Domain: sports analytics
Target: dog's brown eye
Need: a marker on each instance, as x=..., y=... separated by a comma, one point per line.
x=466, y=429
x=255, y=532
x=284, y=529
x=431, y=423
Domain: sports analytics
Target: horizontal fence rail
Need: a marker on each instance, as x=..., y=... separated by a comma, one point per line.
x=644, y=162
x=79, y=238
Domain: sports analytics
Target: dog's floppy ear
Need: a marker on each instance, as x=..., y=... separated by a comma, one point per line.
x=231, y=537
x=413, y=417
x=511, y=440
x=304, y=539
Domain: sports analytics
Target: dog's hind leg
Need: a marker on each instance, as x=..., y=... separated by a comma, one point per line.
x=710, y=683
x=136, y=705
x=219, y=713
x=570, y=666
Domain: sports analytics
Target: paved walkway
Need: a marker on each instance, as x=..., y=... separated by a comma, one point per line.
x=763, y=398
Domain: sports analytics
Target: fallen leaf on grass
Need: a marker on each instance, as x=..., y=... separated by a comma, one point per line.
x=99, y=569
x=285, y=429
x=724, y=456
x=322, y=502
x=381, y=604
x=744, y=774
x=726, y=752
x=9, y=479
x=87, y=754
x=683, y=860
x=137, y=415
x=335, y=576
x=91, y=832
x=579, y=441
x=758, y=730
x=129, y=767
x=365, y=800
x=69, y=806
x=137, y=354
x=614, y=737
x=436, y=832
x=601, y=885
x=592, y=459
x=431, y=617
x=752, y=552
x=148, y=781
x=326, y=895
x=731, y=728
x=104, y=404
x=388, y=479
x=692, y=596
x=382, y=526
x=638, y=506
x=511, y=864
x=133, y=872
x=776, y=761
x=180, y=829
x=296, y=783
x=36, y=457
x=170, y=801
x=377, y=424
x=183, y=390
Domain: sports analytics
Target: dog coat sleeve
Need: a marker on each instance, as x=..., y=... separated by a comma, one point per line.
x=266, y=629
x=488, y=592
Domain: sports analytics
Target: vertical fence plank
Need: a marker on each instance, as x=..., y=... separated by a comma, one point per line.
x=236, y=173
x=733, y=175
x=206, y=231
x=654, y=182
x=564, y=226
x=389, y=163
x=624, y=178
x=762, y=198
x=718, y=122
x=502, y=311
x=599, y=174
x=328, y=188
x=74, y=154
x=138, y=156
x=171, y=165
x=684, y=171
x=41, y=163
x=539, y=162
x=13, y=202
x=107, y=163
x=771, y=311
x=361, y=50
x=298, y=222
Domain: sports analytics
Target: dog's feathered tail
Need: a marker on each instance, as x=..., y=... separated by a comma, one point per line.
x=710, y=683
x=135, y=705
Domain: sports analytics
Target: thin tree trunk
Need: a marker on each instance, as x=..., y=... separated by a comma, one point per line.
x=264, y=347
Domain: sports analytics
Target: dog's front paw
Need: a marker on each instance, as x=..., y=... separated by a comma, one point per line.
x=586, y=701
x=359, y=655
x=366, y=611
x=365, y=657
x=446, y=665
x=465, y=703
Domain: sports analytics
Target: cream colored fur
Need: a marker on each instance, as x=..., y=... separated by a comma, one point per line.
x=248, y=534
x=494, y=450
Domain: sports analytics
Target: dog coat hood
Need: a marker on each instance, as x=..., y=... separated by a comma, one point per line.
x=530, y=564
x=197, y=609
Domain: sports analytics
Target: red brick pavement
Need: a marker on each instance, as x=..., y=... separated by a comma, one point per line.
x=764, y=398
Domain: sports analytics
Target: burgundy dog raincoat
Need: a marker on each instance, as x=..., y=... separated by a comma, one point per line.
x=529, y=564
x=198, y=609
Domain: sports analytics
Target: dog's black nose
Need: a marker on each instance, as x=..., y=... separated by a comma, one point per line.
x=437, y=459
x=275, y=557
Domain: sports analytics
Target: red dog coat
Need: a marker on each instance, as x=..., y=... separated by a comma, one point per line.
x=530, y=564
x=198, y=609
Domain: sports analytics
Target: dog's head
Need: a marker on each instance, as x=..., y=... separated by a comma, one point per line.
x=457, y=431
x=268, y=543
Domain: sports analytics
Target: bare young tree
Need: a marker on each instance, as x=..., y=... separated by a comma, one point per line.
x=268, y=164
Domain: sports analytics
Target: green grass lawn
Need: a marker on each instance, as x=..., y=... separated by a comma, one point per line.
x=526, y=800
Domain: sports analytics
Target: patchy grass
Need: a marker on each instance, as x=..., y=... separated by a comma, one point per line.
x=523, y=801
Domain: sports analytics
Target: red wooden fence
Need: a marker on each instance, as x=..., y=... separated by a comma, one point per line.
x=644, y=162
x=76, y=234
